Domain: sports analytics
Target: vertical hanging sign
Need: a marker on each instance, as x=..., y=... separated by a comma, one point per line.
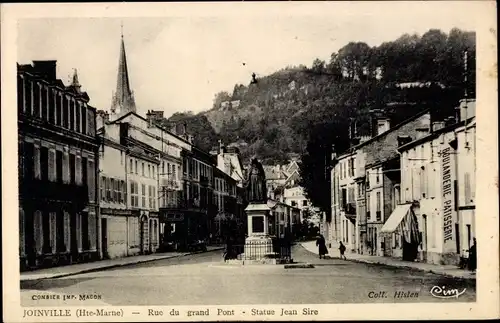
x=448, y=197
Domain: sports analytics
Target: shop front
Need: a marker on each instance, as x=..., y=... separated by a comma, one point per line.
x=179, y=229
x=401, y=233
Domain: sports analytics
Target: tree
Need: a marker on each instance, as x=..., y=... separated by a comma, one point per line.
x=219, y=98
x=318, y=66
x=354, y=59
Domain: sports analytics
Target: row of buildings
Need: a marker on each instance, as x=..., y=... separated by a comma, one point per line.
x=409, y=191
x=282, y=183
x=95, y=184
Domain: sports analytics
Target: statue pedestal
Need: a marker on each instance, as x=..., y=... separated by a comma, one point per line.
x=258, y=245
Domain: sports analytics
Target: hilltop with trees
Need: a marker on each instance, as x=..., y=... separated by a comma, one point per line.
x=303, y=110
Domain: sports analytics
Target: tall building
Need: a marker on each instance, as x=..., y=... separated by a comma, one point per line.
x=438, y=187
x=140, y=174
x=58, y=160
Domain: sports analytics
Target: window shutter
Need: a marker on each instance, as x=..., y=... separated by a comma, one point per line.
x=52, y=165
x=467, y=189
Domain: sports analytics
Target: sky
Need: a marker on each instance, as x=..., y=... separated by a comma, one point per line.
x=179, y=62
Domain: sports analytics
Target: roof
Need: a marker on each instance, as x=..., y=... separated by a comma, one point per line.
x=42, y=76
x=273, y=172
x=123, y=96
x=157, y=126
x=385, y=133
x=433, y=135
x=257, y=207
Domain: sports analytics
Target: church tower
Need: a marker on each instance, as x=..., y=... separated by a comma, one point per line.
x=123, y=98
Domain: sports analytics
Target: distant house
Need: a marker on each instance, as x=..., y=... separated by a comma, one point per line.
x=235, y=103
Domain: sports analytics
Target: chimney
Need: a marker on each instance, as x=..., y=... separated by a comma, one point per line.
x=364, y=138
x=221, y=147
x=403, y=140
x=353, y=133
x=46, y=68
x=102, y=118
x=173, y=129
x=150, y=119
x=334, y=153
x=383, y=125
x=436, y=125
x=449, y=121
x=467, y=109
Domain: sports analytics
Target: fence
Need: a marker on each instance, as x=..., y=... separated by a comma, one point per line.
x=278, y=249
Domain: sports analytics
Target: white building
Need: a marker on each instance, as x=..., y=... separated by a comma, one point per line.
x=229, y=161
x=437, y=185
x=140, y=166
x=343, y=222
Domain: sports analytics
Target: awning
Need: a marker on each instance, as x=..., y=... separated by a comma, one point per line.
x=396, y=217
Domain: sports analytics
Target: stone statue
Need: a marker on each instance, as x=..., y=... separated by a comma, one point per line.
x=256, y=183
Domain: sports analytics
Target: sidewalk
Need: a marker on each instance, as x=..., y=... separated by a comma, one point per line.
x=444, y=270
x=70, y=270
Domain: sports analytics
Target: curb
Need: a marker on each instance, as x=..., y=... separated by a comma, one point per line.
x=299, y=266
x=86, y=271
x=432, y=271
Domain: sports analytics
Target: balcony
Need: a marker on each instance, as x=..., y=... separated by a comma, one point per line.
x=170, y=184
x=349, y=208
x=44, y=190
x=204, y=181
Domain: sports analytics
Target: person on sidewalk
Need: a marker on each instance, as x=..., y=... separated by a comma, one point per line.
x=342, y=251
x=321, y=243
x=473, y=256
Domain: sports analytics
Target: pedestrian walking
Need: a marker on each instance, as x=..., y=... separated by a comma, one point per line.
x=473, y=256
x=321, y=243
x=342, y=250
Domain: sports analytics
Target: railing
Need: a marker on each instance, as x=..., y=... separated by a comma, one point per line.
x=252, y=250
x=55, y=191
x=204, y=181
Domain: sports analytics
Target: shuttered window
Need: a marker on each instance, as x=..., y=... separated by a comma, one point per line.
x=467, y=189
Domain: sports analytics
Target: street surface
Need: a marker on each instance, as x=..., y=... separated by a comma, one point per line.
x=204, y=279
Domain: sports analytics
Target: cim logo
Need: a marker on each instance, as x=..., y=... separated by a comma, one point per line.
x=442, y=292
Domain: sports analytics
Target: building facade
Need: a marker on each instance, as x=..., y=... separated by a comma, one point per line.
x=228, y=222
x=58, y=147
x=343, y=217
x=438, y=180
x=365, y=185
x=378, y=177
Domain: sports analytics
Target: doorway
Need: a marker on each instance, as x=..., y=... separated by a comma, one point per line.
x=104, y=238
x=73, y=237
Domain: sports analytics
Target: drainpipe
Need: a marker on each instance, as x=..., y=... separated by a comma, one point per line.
x=97, y=195
x=126, y=201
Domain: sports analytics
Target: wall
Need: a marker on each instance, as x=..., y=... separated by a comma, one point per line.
x=384, y=147
x=466, y=185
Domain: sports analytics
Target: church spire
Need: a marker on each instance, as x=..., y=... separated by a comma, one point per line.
x=123, y=98
x=75, y=83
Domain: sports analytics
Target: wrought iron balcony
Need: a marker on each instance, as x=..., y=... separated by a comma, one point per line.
x=349, y=208
x=44, y=190
x=204, y=181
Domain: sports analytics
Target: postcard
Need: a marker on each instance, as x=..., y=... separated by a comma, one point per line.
x=250, y=161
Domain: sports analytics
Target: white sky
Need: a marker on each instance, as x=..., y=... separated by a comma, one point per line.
x=178, y=63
